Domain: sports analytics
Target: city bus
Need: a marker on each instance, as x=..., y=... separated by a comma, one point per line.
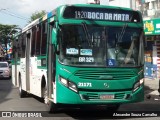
x=81, y=55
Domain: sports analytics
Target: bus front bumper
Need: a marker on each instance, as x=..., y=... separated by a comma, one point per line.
x=67, y=96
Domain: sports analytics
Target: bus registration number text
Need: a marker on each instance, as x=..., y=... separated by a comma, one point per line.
x=86, y=59
x=85, y=84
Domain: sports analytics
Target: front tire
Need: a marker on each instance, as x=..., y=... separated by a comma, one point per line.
x=50, y=106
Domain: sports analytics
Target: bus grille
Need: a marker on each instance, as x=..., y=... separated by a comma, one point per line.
x=119, y=95
x=108, y=74
x=92, y=96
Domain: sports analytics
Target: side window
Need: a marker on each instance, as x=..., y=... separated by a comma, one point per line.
x=14, y=48
x=44, y=38
x=33, y=41
x=19, y=48
x=23, y=45
x=38, y=39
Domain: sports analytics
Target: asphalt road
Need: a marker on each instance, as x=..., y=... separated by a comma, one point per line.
x=10, y=102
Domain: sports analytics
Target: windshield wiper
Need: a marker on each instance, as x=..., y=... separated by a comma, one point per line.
x=122, y=32
x=86, y=32
x=124, y=29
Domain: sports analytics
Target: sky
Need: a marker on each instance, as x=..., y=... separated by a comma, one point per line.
x=18, y=12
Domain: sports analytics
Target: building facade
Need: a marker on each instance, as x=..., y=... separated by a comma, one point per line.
x=150, y=10
x=124, y=3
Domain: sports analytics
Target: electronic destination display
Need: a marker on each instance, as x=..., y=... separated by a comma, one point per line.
x=105, y=14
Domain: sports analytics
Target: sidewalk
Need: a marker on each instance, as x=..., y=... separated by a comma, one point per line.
x=151, y=86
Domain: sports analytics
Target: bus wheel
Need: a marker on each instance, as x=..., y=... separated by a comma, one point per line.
x=22, y=93
x=50, y=106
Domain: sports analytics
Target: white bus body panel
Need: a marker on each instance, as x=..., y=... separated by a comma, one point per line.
x=15, y=79
x=23, y=72
x=36, y=77
x=18, y=71
x=13, y=75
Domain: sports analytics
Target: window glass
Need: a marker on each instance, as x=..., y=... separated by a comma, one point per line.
x=38, y=39
x=33, y=41
x=2, y=65
x=90, y=45
x=44, y=38
x=23, y=45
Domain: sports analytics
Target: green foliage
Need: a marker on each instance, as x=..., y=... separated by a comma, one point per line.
x=5, y=30
x=36, y=15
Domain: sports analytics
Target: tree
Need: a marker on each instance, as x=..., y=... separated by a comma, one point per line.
x=5, y=31
x=36, y=15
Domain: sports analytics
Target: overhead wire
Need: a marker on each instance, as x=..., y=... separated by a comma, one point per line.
x=5, y=11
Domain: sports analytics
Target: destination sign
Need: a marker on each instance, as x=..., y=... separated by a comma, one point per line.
x=106, y=14
x=102, y=16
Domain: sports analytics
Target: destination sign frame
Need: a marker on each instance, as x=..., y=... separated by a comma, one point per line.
x=104, y=14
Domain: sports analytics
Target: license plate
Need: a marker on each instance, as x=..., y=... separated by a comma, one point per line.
x=106, y=97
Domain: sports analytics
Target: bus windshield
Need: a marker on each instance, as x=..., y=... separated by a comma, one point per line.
x=100, y=46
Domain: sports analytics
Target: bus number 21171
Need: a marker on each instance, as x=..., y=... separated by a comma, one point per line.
x=84, y=84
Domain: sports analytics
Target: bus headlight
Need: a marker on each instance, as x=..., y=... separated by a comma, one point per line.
x=72, y=86
x=68, y=84
x=138, y=84
x=63, y=81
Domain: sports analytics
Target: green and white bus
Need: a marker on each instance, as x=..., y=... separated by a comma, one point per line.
x=82, y=54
